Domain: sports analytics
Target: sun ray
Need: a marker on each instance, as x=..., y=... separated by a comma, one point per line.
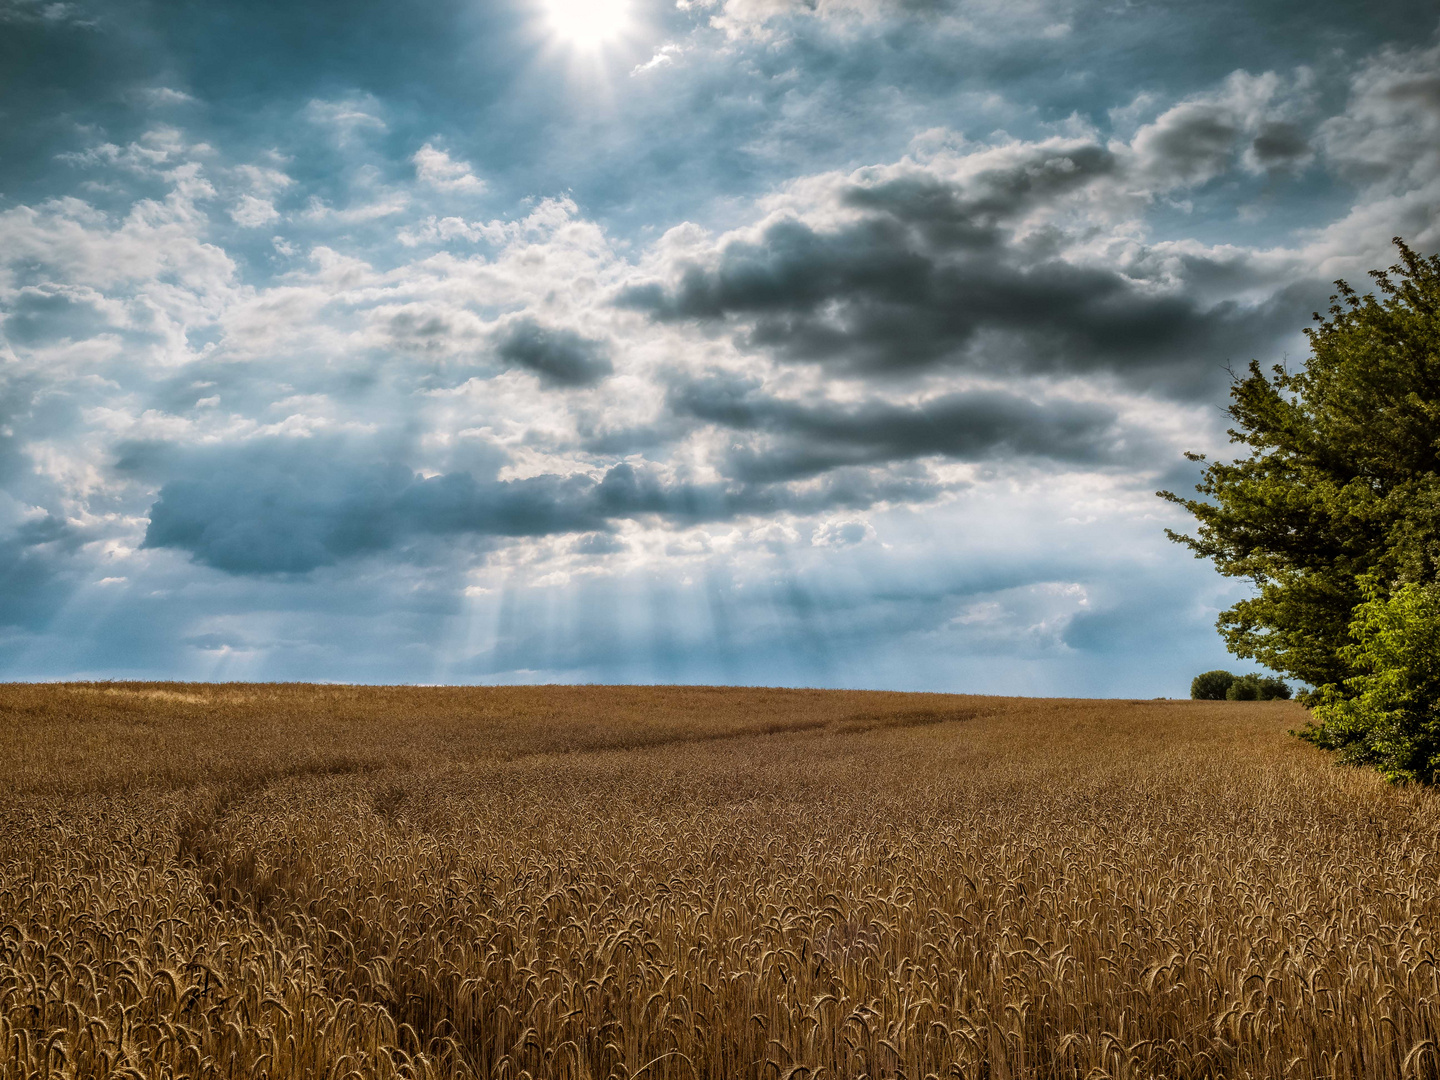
x=587, y=24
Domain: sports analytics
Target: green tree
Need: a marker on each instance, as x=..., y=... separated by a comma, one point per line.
x=1257, y=688
x=1341, y=480
x=1388, y=713
x=1223, y=686
x=1211, y=685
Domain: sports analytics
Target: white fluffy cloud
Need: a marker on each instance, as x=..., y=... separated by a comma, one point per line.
x=442, y=172
x=252, y=212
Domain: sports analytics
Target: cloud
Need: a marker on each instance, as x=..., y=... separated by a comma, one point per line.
x=286, y=505
x=665, y=56
x=1252, y=118
x=599, y=544
x=35, y=574
x=347, y=118
x=275, y=506
x=970, y=262
x=1389, y=133
x=810, y=437
x=842, y=533
x=50, y=312
x=758, y=18
x=1386, y=142
x=163, y=96
x=73, y=240
x=442, y=172
x=251, y=212
x=264, y=180
x=53, y=12
x=559, y=357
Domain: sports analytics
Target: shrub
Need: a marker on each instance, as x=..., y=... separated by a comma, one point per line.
x=1388, y=715
x=1243, y=689
x=1273, y=689
x=1211, y=685
x=1257, y=688
x=1223, y=686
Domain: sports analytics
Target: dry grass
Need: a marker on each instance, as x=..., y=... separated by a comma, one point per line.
x=260, y=881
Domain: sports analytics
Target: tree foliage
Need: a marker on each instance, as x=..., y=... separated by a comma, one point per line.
x=1211, y=685
x=1257, y=688
x=1225, y=686
x=1341, y=481
x=1388, y=713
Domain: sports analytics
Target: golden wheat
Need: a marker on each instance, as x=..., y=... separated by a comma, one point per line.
x=286, y=881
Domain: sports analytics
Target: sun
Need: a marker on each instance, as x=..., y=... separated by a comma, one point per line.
x=587, y=24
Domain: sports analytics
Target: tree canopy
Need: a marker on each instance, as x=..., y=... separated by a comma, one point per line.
x=1337, y=500
x=1386, y=714
x=1224, y=686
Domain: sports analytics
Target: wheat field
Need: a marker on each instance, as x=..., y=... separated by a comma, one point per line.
x=298, y=881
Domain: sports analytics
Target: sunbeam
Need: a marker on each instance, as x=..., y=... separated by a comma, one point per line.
x=587, y=24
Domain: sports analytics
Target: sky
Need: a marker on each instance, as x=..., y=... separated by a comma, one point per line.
x=768, y=342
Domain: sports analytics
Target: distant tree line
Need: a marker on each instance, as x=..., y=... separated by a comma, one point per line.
x=1223, y=686
x=1333, y=515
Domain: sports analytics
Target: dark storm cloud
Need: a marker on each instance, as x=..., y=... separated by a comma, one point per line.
x=923, y=270
x=284, y=506
x=628, y=491
x=951, y=214
x=1422, y=90
x=46, y=313
x=266, y=508
x=909, y=289
x=806, y=439
x=895, y=261
x=35, y=571
x=1189, y=144
x=600, y=436
x=558, y=357
x=1279, y=145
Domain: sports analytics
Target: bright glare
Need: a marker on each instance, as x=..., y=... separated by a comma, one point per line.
x=587, y=23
